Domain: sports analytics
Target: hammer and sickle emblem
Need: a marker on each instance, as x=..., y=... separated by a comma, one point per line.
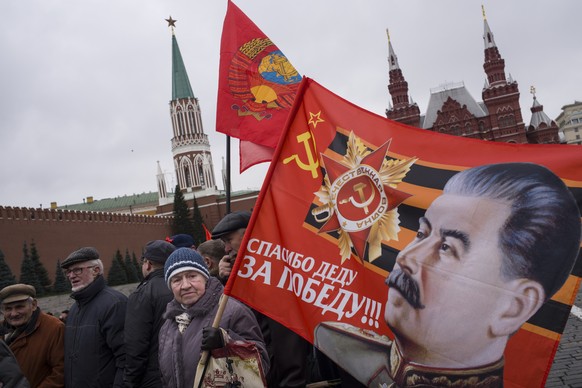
x=312, y=164
x=359, y=188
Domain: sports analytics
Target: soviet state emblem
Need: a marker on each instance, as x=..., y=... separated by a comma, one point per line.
x=360, y=200
x=262, y=79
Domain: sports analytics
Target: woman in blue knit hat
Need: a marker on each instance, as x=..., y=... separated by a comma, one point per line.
x=188, y=330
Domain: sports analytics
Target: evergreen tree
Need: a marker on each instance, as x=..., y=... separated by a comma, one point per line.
x=28, y=273
x=41, y=272
x=130, y=270
x=62, y=284
x=117, y=275
x=198, y=230
x=6, y=276
x=181, y=223
x=137, y=266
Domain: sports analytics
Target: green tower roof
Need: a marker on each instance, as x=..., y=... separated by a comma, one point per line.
x=180, y=83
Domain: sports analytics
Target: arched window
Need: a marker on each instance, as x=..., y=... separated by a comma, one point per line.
x=179, y=121
x=188, y=176
x=201, y=175
x=192, y=118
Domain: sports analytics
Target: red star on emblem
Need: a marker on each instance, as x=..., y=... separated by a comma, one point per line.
x=357, y=197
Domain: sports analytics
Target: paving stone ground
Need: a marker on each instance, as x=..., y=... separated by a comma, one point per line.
x=567, y=367
x=566, y=370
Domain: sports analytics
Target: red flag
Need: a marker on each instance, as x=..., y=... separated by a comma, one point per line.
x=256, y=87
x=251, y=154
x=207, y=233
x=342, y=198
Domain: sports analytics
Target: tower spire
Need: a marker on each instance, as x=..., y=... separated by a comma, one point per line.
x=500, y=96
x=180, y=83
x=190, y=145
x=392, y=58
x=487, y=34
x=494, y=64
x=402, y=108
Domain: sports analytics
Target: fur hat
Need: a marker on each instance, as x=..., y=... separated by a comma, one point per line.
x=184, y=259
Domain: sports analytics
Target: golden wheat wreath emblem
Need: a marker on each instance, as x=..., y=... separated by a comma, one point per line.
x=359, y=198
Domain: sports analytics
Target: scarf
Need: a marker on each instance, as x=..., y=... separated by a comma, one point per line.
x=183, y=321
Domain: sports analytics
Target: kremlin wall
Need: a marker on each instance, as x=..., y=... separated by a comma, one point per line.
x=57, y=232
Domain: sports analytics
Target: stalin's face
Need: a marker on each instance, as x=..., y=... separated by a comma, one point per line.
x=446, y=286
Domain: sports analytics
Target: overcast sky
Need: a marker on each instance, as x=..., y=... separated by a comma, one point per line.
x=85, y=85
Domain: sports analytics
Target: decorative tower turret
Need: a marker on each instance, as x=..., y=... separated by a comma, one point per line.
x=162, y=190
x=501, y=96
x=190, y=145
x=541, y=129
x=402, y=110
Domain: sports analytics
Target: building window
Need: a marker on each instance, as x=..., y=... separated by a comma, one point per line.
x=506, y=121
x=188, y=176
x=455, y=130
x=201, y=175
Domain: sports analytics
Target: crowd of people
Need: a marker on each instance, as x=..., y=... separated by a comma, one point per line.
x=156, y=336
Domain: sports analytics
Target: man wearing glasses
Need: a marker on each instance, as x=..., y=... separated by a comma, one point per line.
x=94, y=350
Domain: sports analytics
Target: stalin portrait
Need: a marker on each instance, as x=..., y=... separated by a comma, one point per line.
x=498, y=243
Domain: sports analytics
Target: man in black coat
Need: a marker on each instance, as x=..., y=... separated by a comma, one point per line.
x=288, y=352
x=94, y=351
x=144, y=318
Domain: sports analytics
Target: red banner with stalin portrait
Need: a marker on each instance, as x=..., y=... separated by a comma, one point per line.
x=414, y=257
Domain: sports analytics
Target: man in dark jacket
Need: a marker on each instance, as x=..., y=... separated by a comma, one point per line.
x=94, y=351
x=143, y=318
x=288, y=351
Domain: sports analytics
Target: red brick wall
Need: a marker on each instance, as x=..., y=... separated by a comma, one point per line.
x=57, y=233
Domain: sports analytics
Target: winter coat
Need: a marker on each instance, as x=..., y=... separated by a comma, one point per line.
x=143, y=320
x=94, y=351
x=10, y=374
x=39, y=350
x=179, y=353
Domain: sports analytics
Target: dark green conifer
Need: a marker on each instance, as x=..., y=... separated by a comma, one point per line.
x=6, y=276
x=130, y=270
x=181, y=223
x=62, y=284
x=117, y=275
x=137, y=266
x=28, y=271
x=41, y=272
x=198, y=233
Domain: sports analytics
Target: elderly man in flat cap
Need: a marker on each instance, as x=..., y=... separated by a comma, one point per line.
x=94, y=348
x=230, y=230
x=143, y=319
x=288, y=352
x=37, y=338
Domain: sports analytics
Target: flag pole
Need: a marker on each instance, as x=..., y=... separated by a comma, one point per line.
x=205, y=356
x=227, y=180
